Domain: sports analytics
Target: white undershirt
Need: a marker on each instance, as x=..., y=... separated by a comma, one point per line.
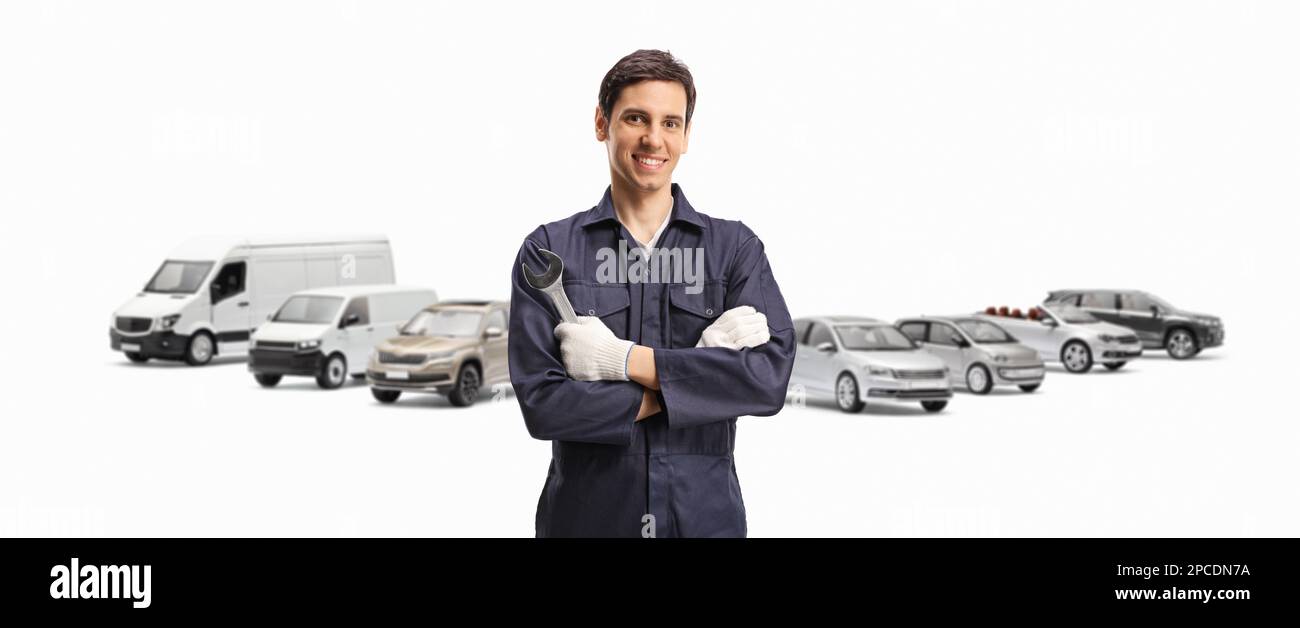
x=655, y=238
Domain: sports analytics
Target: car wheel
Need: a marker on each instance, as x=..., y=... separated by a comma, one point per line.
x=1181, y=344
x=1029, y=387
x=385, y=396
x=1115, y=366
x=978, y=379
x=138, y=358
x=333, y=372
x=846, y=394
x=467, y=385
x=200, y=349
x=1076, y=357
x=268, y=380
x=934, y=406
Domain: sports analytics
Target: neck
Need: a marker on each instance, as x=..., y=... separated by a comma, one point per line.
x=641, y=211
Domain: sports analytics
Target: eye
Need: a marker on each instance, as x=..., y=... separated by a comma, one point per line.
x=672, y=124
x=636, y=118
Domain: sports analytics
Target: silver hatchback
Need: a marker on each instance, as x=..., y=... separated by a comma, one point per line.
x=979, y=353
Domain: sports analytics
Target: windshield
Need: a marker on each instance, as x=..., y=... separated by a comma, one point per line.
x=176, y=277
x=984, y=332
x=462, y=323
x=1164, y=305
x=309, y=309
x=1071, y=314
x=873, y=338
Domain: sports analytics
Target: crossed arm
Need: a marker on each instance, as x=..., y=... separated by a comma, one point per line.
x=599, y=385
x=583, y=343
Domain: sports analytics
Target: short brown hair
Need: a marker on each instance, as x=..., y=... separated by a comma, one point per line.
x=645, y=65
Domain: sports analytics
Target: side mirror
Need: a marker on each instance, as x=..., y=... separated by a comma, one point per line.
x=826, y=347
x=1048, y=322
x=349, y=320
x=1155, y=311
x=492, y=332
x=959, y=341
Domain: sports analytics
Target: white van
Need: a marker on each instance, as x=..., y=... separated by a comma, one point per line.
x=328, y=333
x=211, y=292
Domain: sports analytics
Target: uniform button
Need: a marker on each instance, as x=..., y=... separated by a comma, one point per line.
x=709, y=311
x=591, y=312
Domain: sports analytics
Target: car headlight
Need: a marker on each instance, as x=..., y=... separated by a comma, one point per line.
x=881, y=371
x=307, y=345
x=434, y=358
x=167, y=322
x=1108, y=338
x=1208, y=322
x=1000, y=359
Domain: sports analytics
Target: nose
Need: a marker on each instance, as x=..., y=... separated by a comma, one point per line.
x=653, y=138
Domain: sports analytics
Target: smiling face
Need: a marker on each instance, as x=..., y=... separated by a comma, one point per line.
x=646, y=133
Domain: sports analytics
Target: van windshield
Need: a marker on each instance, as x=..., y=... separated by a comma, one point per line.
x=309, y=309
x=178, y=277
x=456, y=323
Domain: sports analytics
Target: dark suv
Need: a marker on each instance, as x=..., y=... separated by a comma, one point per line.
x=1183, y=334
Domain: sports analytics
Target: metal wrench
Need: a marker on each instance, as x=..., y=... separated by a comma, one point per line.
x=550, y=282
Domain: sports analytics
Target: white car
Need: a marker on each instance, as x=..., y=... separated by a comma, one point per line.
x=979, y=353
x=859, y=359
x=209, y=293
x=1069, y=335
x=329, y=333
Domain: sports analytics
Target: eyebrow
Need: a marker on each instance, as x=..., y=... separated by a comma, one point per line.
x=671, y=116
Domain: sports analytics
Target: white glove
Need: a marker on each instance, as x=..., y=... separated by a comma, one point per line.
x=738, y=327
x=591, y=351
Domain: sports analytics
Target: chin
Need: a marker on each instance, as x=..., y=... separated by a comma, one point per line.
x=650, y=184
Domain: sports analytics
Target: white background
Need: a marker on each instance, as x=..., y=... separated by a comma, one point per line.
x=895, y=158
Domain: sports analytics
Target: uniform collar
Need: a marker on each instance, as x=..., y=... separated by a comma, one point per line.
x=682, y=210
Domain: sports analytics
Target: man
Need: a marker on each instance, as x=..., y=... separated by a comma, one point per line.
x=641, y=396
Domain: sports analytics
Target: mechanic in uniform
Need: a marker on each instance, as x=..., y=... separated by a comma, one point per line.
x=640, y=397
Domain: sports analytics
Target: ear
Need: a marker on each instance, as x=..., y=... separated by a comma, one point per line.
x=602, y=125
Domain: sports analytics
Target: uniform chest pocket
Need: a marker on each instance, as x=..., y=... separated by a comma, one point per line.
x=609, y=302
x=689, y=314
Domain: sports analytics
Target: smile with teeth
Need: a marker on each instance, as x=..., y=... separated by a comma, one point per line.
x=652, y=163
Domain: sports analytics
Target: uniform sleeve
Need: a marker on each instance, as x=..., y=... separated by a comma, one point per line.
x=706, y=384
x=554, y=406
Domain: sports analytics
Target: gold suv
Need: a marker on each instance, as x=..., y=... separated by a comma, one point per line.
x=453, y=348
